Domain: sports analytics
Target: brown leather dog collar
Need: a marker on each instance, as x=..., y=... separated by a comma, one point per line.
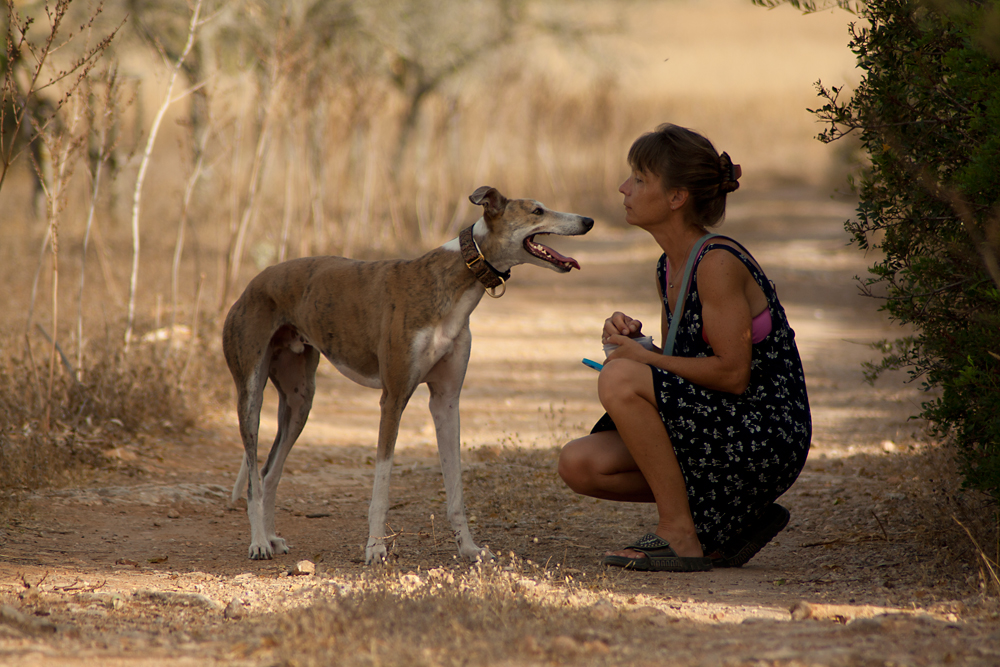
x=483, y=270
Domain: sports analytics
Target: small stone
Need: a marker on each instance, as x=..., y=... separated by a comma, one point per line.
x=234, y=610
x=120, y=453
x=303, y=568
x=801, y=611
x=173, y=514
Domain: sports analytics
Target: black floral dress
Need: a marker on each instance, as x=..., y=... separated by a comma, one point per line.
x=738, y=453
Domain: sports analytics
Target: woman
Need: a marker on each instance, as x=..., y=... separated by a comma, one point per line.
x=716, y=429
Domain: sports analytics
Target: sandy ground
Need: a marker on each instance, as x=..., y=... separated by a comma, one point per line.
x=139, y=566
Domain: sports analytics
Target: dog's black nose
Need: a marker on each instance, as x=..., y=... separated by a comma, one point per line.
x=588, y=224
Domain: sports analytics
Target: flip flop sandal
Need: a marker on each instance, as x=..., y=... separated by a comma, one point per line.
x=660, y=557
x=771, y=522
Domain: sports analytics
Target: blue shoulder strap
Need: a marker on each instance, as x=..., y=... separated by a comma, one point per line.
x=675, y=318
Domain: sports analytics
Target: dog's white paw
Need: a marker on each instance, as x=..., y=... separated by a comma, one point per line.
x=375, y=552
x=469, y=550
x=477, y=555
x=261, y=551
x=279, y=545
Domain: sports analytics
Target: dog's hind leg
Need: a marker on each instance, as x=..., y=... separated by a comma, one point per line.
x=248, y=403
x=445, y=385
x=393, y=403
x=294, y=376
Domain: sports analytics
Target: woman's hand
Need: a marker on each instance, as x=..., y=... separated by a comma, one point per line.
x=620, y=324
x=627, y=348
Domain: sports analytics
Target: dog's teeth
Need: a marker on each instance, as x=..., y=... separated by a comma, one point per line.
x=548, y=254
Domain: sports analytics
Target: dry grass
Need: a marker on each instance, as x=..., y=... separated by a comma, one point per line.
x=90, y=415
x=516, y=611
x=503, y=613
x=961, y=525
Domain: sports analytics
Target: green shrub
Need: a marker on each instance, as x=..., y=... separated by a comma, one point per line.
x=928, y=114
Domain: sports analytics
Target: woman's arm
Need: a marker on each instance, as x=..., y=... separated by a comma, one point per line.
x=722, y=288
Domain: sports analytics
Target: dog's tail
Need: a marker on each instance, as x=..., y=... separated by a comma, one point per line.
x=240, y=487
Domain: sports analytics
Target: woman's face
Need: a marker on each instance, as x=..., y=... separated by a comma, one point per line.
x=646, y=202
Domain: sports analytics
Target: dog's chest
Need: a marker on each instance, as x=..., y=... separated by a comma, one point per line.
x=434, y=341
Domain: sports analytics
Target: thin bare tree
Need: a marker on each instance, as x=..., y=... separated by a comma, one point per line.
x=175, y=69
x=63, y=144
x=102, y=124
x=175, y=266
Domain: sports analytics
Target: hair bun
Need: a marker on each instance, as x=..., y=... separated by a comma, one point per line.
x=729, y=175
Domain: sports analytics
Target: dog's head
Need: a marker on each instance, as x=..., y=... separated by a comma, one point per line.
x=515, y=224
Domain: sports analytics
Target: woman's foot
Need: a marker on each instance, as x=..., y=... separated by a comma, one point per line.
x=652, y=553
x=745, y=546
x=686, y=546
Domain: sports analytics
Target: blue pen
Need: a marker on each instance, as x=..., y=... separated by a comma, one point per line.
x=590, y=363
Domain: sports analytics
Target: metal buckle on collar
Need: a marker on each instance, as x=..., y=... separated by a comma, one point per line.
x=480, y=266
x=470, y=263
x=492, y=290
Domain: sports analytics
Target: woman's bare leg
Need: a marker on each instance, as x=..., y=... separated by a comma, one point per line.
x=625, y=388
x=599, y=465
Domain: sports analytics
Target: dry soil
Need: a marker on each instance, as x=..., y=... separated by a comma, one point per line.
x=148, y=564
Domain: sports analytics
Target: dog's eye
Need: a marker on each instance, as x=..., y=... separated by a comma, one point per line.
x=538, y=211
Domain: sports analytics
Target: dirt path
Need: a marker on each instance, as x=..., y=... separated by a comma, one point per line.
x=141, y=569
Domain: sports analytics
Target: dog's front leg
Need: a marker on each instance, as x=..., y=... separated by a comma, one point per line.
x=445, y=384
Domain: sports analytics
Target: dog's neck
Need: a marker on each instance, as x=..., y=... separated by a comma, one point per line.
x=485, y=272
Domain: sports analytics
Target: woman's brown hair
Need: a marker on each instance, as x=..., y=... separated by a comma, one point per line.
x=682, y=158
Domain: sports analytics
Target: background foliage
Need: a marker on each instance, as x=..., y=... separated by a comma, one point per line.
x=928, y=114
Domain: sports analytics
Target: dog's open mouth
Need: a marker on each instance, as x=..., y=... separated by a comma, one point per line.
x=548, y=254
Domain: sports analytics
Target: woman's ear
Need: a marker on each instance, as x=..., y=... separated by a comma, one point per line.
x=677, y=197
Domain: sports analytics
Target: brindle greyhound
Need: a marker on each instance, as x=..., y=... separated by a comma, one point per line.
x=389, y=324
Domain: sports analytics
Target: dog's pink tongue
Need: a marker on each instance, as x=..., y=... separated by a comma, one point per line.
x=563, y=258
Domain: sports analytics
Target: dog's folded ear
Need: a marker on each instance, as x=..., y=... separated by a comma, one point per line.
x=490, y=199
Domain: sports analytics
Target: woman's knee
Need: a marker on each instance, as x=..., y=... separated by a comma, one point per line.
x=618, y=381
x=572, y=464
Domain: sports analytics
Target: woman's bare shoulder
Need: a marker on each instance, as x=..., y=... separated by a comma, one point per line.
x=719, y=259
